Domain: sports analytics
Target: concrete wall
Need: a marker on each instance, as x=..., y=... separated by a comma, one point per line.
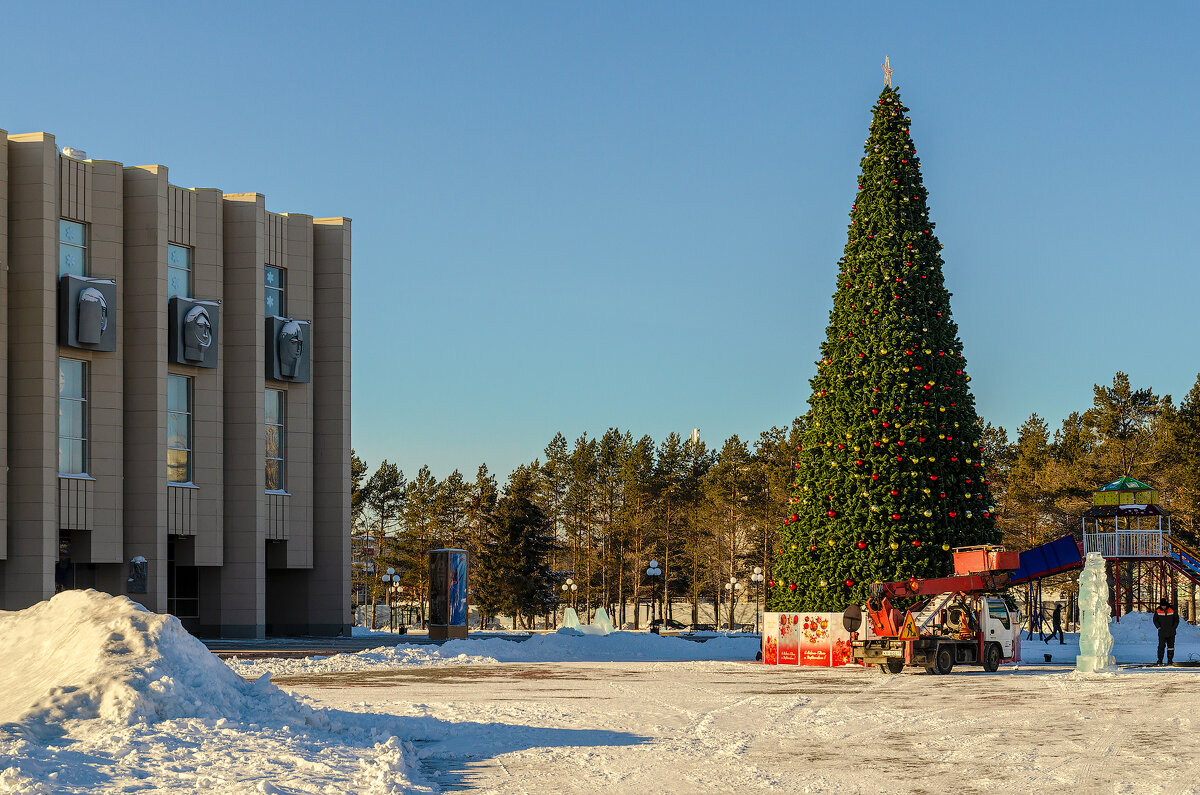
x=242, y=578
x=329, y=586
x=3, y=347
x=32, y=369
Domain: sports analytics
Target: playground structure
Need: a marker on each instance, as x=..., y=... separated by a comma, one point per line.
x=1132, y=532
x=1128, y=527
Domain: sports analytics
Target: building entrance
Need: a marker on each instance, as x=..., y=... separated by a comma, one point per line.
x=183, y=587
x=64, y=569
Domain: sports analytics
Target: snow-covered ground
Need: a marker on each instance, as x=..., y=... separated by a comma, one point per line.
x=98, y=695
x=701, y=727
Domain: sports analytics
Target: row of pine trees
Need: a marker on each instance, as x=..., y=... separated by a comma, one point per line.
x=600, y=509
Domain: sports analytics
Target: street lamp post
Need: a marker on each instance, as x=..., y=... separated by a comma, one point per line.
x=652, y=572
x=758, y=577
x=733, y=586
x=387, y=595
x=395, y=600
x=570, y=587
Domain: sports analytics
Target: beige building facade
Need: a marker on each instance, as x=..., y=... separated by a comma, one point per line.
x=176, y=395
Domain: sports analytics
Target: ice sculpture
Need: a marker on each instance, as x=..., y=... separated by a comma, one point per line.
x=570, y=619
x=1095, y=641
x=602, y=622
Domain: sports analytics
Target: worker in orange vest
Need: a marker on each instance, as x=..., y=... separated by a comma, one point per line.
x=1167, y=620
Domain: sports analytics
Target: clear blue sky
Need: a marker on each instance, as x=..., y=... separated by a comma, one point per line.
x=570, y=216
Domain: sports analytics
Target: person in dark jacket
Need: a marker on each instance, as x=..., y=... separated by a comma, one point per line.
x=1056, y=625
x=1167, y=620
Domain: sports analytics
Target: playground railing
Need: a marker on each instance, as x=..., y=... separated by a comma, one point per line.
x=1125, y=543
x=1189, y=555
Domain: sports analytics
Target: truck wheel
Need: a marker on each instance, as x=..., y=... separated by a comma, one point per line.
x=943, y=663
x=891, y=666
x=991, y=657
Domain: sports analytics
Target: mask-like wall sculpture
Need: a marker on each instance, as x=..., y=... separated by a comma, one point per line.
x=192, y=337
x=87, y=313
x=288, y=349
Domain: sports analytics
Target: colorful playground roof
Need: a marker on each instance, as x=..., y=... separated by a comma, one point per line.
x=1124, y=491
x=1124, y=483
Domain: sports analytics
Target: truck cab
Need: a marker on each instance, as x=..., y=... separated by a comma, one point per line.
x=1001, y=626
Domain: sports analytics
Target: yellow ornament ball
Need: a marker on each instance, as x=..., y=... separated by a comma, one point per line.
x=831, y=542
x=945, y=547
x=928, y=512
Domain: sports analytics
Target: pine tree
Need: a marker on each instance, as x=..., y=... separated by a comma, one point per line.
x=513, y=570
x=888, y=476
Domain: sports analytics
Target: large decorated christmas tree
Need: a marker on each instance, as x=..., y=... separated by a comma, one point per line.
x=889, y=476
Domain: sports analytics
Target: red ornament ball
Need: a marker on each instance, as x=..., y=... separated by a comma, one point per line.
x=896, y=516
x=849, y=583
x=862, y=544
x=792, y=586
x=916, y=542
x=831, y=514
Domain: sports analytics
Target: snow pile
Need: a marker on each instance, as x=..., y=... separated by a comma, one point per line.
x=1138, y=628
x=97, y=693
x=558, y=647
x=85, y=654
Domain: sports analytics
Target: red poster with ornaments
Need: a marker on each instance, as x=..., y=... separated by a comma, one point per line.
x=817, y=639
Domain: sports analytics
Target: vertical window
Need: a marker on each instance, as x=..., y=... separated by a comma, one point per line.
x=274, y=283
x=72, y=417
x=179, y=429
x=72, y=248
x=179, y=271
x=273, y=401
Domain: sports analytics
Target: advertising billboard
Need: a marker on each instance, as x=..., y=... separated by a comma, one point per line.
x=817, y=639
x=448, y=600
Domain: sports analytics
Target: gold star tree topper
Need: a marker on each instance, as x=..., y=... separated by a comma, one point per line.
x=887, y=71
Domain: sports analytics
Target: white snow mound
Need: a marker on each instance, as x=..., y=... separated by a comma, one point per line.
x=555, y=647
x=85, y=654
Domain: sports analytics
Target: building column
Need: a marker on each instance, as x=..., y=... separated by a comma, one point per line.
x=329, y=585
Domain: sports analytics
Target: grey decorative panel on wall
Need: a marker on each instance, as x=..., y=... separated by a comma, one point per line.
x=287, y=347
x=192, y=331
x=87, y=313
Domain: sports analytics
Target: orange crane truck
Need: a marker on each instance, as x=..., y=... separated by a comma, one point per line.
x=962, y=619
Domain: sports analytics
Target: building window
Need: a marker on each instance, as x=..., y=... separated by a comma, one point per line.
x=274, y=283
x=179, y=429
x=72, y=248
x=179, y=271
x=273, y=401
x=72, y=417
